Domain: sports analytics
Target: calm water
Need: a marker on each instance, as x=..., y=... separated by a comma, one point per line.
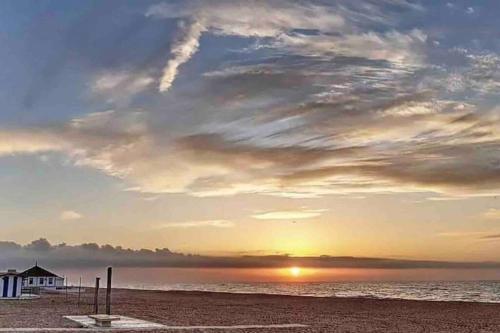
x=432, y=287
x=470, y=291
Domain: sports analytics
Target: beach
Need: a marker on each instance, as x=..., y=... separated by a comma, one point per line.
x=179, y=308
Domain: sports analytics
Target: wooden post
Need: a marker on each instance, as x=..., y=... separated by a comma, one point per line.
x=108, y=292
x=96, y=296
x=79, y=289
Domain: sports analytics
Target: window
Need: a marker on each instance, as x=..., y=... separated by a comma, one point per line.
x=41, y=281
x=30, y=281
x=51, y=280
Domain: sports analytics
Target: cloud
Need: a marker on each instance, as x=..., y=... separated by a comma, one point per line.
x=40, y=245
x=477, y=74
x=330, y=100
x=197, y=224
x=461, y=234
x=227, y=18
x=284, y=25
x=22, y=141
x=70, y=215
x=289, y=214
x=491, y=237
x=120, y=86
x=252, y=18
x=393, y=46
x=394, y=147
x=94, y=255
x=184, y=47
x=491, y=214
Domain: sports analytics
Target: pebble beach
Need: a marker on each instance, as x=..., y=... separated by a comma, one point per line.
x=178, y=308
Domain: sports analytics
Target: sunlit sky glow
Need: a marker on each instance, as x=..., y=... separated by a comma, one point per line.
x=342, y=128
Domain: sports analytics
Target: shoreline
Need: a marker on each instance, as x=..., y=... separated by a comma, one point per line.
x=297, y=296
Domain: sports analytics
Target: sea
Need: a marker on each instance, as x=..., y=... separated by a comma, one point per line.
x=168, y=279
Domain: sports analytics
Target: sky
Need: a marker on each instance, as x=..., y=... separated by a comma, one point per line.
x=252, y=128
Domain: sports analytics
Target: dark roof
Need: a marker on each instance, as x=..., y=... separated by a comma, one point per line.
x=37, y=271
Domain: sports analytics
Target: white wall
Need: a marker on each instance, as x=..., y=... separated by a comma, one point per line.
x=59, y=282
x=44, y=281
x=10, y=288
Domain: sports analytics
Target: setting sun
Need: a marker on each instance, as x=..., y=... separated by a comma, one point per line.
x=295, y=271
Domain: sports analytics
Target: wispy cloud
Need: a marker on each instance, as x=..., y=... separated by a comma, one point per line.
x=334, y=25
x=122, y=145
x=343, y=101
x=491, y=214
x=197, y=224
x=120, y=86
x=289, y=214
x=462, y=234
x=70, y=215
x=470, y=235
x=491, y=237
x=182, y=50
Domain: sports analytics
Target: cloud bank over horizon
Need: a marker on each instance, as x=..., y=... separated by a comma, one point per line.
x=94, y=255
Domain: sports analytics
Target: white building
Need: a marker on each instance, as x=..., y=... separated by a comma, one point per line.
x=37, y=277
x=10, y=284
